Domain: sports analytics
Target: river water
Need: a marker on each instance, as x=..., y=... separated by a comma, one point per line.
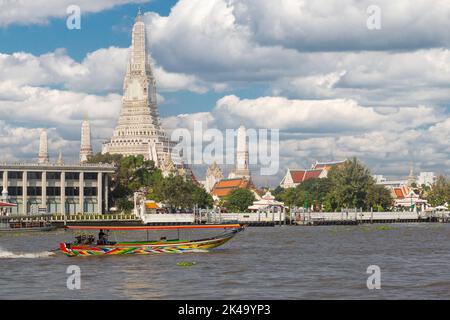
x=328, y=262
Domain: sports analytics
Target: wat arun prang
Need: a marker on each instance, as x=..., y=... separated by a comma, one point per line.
x=139, y=130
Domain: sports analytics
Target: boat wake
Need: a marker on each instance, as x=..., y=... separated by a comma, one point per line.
x=4, y=254
x=198, y=250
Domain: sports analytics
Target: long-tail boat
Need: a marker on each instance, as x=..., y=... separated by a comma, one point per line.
x=87, y=246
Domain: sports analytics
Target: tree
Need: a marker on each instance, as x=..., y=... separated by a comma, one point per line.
x=378, y=197
x=315, y=191
x=202, y=198
x=440, y=192
x=239, y=200
x=350, y=183
x=133, y=173
x=288, y=196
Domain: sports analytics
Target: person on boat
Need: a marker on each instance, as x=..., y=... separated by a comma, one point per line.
x=90, y=239
x=102, y=237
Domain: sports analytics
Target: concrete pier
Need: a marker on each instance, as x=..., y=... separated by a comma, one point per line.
x=354, y=218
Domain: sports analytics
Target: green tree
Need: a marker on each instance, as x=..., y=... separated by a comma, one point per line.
x=202, y=198
x=440, y=192
x=350, y=183
x=379, y=198
x=239, y=200
x=315, y=190
x=132, y=174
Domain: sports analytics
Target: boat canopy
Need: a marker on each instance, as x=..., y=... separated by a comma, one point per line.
x=6, y=204
x=136, y=228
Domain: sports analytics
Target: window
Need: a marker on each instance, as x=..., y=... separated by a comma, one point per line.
x=15, y=191
x=72, y=175
x=34, y=191
x=53, y=191
x=15, y=175
x=53, y=175
x=90, y=176
x=72, y=191
x=34, y=175
x=90, y=191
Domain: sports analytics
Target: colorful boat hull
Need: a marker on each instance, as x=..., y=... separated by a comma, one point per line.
x=126, y=248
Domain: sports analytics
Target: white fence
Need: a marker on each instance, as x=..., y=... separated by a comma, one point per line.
x=176, y=218
x=367, y=216
x=253, y=217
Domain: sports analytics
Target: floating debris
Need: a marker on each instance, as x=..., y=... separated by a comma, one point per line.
x=186, y=264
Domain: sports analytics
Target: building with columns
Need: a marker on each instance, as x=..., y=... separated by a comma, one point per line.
x=56, y=188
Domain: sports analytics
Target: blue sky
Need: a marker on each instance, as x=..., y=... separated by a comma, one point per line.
x=312, y=69
x=104, y=29
x=98, y=30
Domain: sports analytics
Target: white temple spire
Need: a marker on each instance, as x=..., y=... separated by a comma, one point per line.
x=242, y=164
x=60, y=160
x=138, y=131
x=43, y=148
x=86, y=148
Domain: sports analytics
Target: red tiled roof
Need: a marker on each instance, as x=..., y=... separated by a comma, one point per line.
x=398, y=193
x=299, y=176
x=312, y=174
x=226, y=186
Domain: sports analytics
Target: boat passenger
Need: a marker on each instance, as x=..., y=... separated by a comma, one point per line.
x=102, y=237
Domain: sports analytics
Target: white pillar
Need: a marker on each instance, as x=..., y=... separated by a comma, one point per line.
x=5, y=186
x=63, y=192
x=106, y=193
x=81, y=188
x=44, y=189
x=99, y=193
x=25, y=192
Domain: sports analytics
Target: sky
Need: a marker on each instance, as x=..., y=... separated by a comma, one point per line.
x=311, y=68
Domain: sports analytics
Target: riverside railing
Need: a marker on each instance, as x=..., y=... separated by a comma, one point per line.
x=94, y=217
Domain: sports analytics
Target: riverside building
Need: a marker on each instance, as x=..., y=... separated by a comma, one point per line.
x=57, y=188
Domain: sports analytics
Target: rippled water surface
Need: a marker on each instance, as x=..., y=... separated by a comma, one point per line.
x=260, y=263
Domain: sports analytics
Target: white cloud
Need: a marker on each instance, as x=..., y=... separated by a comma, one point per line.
x=101, y=71
x=340, y=25
x=310, y=49
x=28, y=12
x=337, y=129
x=374, y=78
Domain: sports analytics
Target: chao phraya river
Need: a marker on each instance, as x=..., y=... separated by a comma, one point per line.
x=261, y=263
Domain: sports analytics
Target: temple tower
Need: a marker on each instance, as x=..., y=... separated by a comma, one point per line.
x=43, y=148
x=86, y=148
x=213, y=175
x=138, y=131
x=241, y=170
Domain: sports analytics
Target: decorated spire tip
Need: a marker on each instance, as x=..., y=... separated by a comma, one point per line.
x=139, y=15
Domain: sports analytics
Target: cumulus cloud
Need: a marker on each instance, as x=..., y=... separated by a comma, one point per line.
x=337, y=129
x=341, y=25
x=373, y=78
x=28, y=12
x=333, y=87
x=101, y=71
x=310, y=49
x=20, y=143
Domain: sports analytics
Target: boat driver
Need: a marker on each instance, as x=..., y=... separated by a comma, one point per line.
x=102, y=237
